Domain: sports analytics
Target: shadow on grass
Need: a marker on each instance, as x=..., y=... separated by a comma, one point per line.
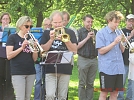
x=73, y=93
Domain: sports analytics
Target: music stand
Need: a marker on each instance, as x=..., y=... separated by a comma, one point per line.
x=42, y=96
x=7, y=31
x=58, y=57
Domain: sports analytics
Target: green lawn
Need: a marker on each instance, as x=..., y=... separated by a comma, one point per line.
x=73, y=85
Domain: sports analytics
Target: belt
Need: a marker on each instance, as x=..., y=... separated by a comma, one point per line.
x=90, y=57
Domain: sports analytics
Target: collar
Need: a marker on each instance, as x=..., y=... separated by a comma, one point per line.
x=109, y=30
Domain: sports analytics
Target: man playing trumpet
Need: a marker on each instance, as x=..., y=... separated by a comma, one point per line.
x=57, y=81
x=129, y=33
x=87, y=59
x=110, y=61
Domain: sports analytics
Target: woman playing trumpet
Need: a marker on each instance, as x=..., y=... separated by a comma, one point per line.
x=22, y=60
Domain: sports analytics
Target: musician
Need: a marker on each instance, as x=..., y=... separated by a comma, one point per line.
x=129, y=33
x=39, y=92
x=87, y=59
x=21, y=59
x=50, y=43
x=6, y=89
x=110, y=61
x=66, y=19
x=47, y=24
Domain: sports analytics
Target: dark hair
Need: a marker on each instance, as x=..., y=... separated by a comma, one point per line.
x=5, y=13
x=88, y=15
x=66, y=13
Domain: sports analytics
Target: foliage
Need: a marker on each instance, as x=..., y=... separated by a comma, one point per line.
x=39, y=9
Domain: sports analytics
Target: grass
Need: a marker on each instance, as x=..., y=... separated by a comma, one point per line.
x=73, y=84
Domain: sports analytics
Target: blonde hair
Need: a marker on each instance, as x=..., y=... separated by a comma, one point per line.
x=22, y=20
x=45, y=20
x=113, y=14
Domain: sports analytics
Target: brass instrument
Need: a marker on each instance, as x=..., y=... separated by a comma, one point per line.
x=93, y=38
x=124, y=40
x=60, y=30
x=132, y=26
x=32, y=46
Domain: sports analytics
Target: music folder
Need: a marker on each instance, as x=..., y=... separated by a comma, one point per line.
x=59, y=57
x=7, y=31
x=37, y=32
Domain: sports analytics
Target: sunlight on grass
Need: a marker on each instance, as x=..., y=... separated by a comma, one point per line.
x=73, y=84
x=97, y=83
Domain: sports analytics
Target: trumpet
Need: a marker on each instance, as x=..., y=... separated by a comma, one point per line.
x=93, y=38
x=31, y=40
x=124, y=41
x=60, y=30
x=132, y=26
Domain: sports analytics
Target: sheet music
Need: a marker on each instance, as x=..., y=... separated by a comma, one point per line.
x=67, y=57
x=1, y=33
x=64, y=57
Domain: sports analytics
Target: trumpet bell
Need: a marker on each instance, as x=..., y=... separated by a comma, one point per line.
x=65, y=37
x=60, y=30
x=132, y=50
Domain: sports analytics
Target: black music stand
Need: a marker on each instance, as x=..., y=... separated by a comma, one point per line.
x=58, y=57
x=42, y=96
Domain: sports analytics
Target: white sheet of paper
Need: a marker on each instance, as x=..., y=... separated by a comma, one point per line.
x=1, y=33
x=67, y=57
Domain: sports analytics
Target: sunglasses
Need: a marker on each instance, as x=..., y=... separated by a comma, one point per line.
x=27, y=26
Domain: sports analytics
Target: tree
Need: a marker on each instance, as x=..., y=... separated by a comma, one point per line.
x=39, y=9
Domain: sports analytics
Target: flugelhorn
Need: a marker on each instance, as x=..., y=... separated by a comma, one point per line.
x=124, y=41
x=60, y=30
x=31, y=41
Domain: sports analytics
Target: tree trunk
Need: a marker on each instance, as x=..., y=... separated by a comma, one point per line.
x=132, y=7
x=39, y=19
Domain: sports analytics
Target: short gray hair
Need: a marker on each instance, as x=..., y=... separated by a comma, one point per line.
x=56, y=12
x=22, y=20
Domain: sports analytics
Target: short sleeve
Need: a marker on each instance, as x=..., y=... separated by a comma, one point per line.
x=45, y=37
x=100, y=40
x=10, y=40
x=73, y=36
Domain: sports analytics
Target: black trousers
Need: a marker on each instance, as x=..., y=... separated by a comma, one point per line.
x=6, y=88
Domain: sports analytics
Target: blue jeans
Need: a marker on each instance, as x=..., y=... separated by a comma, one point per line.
x=129, y=86
x=132, y=89
x=39, y=91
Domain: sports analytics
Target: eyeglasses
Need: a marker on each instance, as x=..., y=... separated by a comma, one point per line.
x=130, y=20
x=47, y=24
x=27, y=26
